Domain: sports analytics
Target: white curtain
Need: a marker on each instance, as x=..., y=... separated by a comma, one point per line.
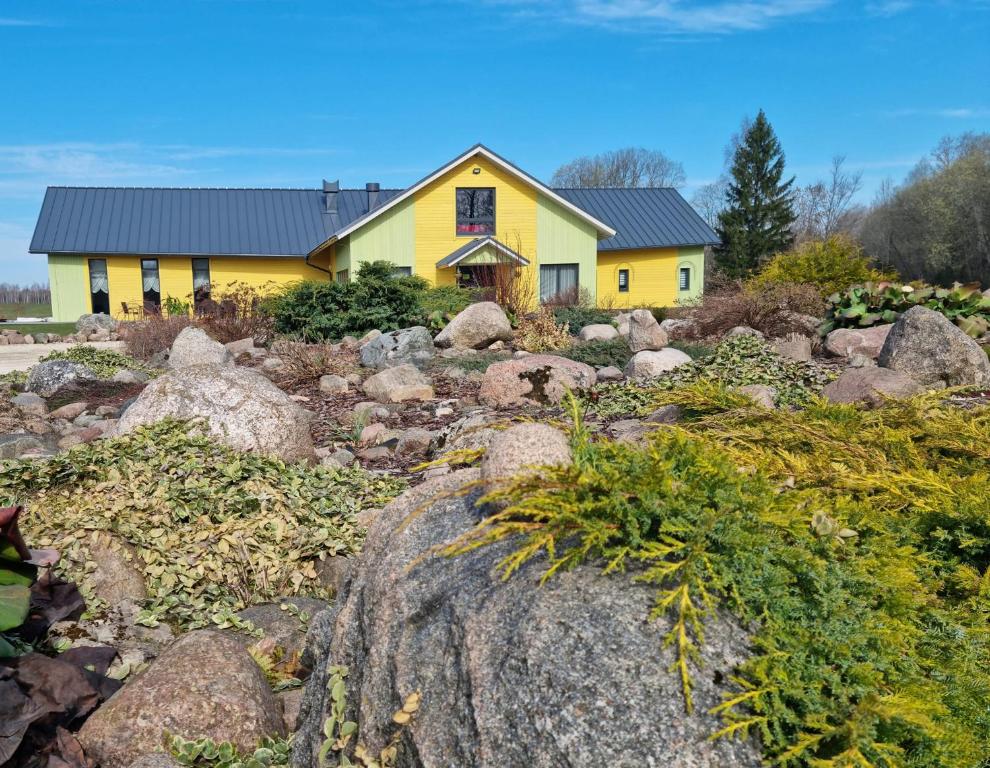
x=149, y=277
x=98, y=282
x=557, y=279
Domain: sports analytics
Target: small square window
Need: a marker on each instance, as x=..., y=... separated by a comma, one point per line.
x=402, y=272
x=684, y=281
x=475, y=211
x=343, y=276
x=623, y=281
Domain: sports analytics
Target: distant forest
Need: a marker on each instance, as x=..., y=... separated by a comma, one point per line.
x=36, y=293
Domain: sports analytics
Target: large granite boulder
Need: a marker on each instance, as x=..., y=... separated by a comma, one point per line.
x=533, y=379
x=89, y=324
x=408, y=346
x=193, y=346
x=645, y=332
x=46, y=379
x=649, y=363
x=205, y=685
x=870, y=385
x=512, y=673
x=847, y=342
x=402, y=382
x=241, y=407
x=929, y=348
x=476, y=327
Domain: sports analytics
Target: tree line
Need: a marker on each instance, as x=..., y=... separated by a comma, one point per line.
x=935, y=226
x=36, y=293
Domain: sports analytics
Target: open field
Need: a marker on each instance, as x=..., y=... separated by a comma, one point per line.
x=60, y=328
x=20, y=357
x=23, y=309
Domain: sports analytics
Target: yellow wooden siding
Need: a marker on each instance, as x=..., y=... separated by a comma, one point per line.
x=652, y=277
x=436, y=217
x=175, y=274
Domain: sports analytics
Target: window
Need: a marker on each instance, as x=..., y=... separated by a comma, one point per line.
x=684, y=279
x=475, y=211
x=151, y=286
x=99, y=286
x=558, y=282
x=623, y=281
x=343, y=276
x=402, y=272
x=201, y=280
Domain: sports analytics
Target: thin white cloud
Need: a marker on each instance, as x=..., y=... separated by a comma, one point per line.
x=9, y=22
x=672, y=17
x=948, y=113
x=887, y=8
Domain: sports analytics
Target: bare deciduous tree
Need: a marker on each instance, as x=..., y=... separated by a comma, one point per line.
x=823, y=205
x=37, y=293
x=709, y=200
x=630, y=167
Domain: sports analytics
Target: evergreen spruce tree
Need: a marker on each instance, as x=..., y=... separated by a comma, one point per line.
x=759, y=207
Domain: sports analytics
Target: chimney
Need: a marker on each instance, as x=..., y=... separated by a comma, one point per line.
x=372, y=189
x=330, y=190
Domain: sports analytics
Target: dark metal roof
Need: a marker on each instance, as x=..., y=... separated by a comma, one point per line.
x=292, y=222
x=235, y=222
x=643, y=218
x=473, y=245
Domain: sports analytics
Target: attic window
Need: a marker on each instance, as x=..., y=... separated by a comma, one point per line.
x=623, y=281
x=475, y=211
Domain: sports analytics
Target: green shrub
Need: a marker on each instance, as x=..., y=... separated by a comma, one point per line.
x=874, y=303
x=213, y=529
x=576, y=317
x=734, y=362
x=103, y=362
x=327, y=311
x=613, y=352
x=830, y=265
x=853, y=543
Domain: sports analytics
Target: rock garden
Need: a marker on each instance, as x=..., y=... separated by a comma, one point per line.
x=380, y=524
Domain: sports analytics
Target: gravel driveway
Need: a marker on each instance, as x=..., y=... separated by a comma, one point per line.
x=20, y=357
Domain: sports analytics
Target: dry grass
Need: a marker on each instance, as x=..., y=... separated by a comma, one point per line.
x=771, y=310
x=306, y=363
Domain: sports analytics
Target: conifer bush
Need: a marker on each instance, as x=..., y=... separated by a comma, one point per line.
x=855, y=544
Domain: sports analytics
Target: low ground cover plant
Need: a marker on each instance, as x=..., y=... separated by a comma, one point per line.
x=614, y=352
x=830, y=265
x=854, y=543
x=212, y=530
x=103, y=362
x=870, y=304
x=734, y=362
x=578, y=316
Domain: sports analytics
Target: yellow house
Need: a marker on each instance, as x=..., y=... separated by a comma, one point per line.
x=126, y=251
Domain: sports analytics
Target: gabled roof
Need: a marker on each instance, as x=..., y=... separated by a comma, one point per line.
x=476, y=245
x=604, y=230
x=656, y=217
x=189, y=222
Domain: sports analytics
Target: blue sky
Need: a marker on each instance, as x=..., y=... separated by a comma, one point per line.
x=285, y=93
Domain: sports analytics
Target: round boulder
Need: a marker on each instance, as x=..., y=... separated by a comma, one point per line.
x=598, y=332
x=408, y=346
x=848, y=342
x=870, y=385
x=649, y=363
x=402, y=382
x=46, y=379
x=533, y=379
x=88, y=324
x=928, y=347
x=193, y=346
x=242, y=409
x=205, y=685
x=523, y=446
x=476, y=327
x=645, y=332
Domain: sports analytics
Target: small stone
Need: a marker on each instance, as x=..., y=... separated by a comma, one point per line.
x=30, y=403
x=794, y=347
x=272, y=363
x=399, y=383
x=870, y=386
x=609, y=373
x=332, y=384
x=517, y=448
x=106, y=410
x=241, y=346
x=666, y=414
x=650, y=363
x=193, y=346
x=290, y=702
x=377, y=453
x=645, y=332
x=598, y=332
x=127, y=376
x=414, y=442
x=371, y=433
x=744, y=330
x=761, y=394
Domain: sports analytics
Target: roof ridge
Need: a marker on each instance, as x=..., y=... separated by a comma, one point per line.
x=224, y=189
x=610, y=189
